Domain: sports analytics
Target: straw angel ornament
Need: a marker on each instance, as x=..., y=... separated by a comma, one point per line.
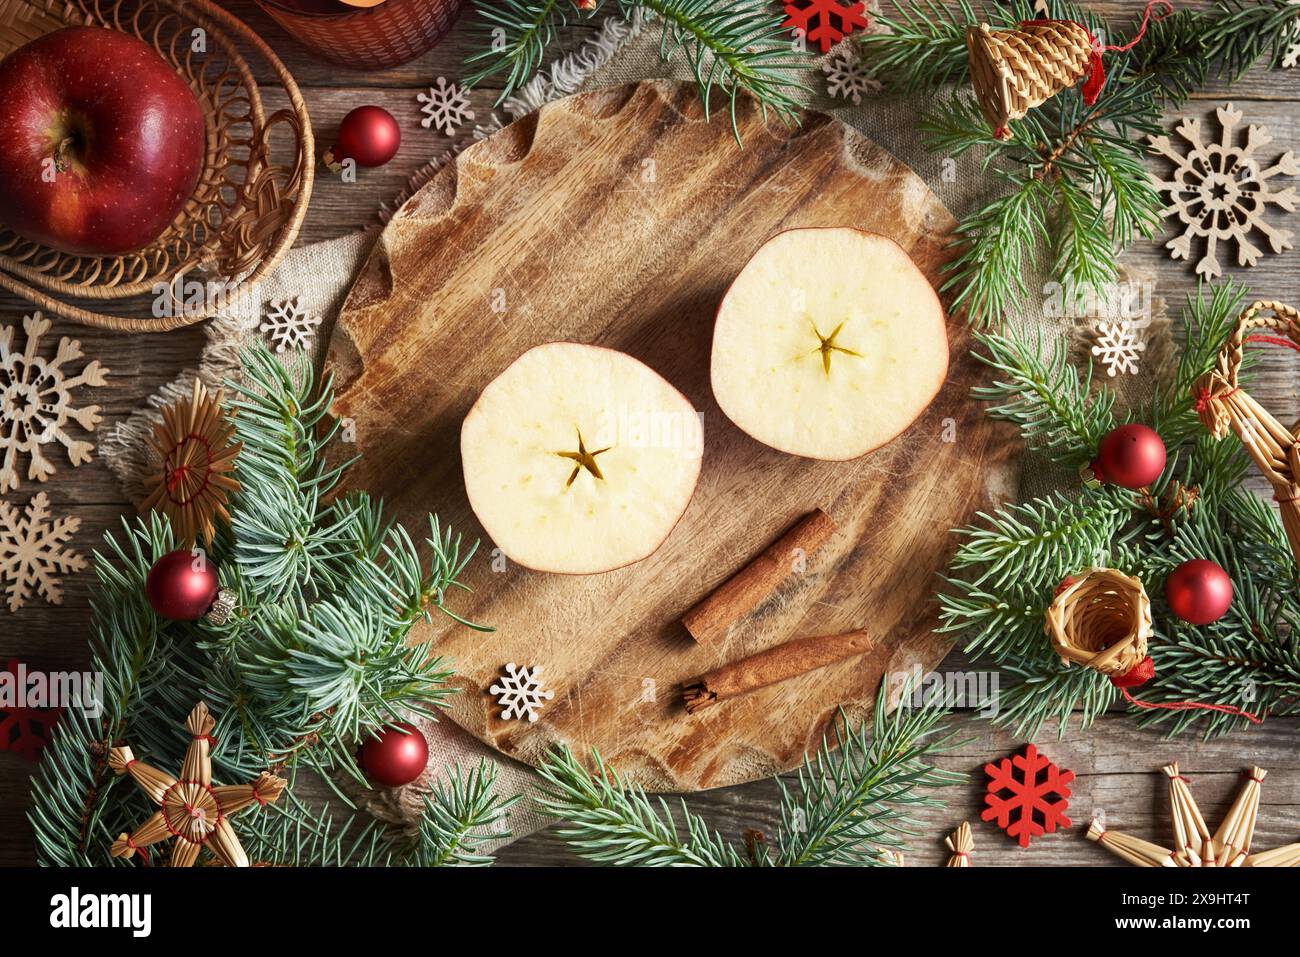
x=1194, y=846
x=190, y=809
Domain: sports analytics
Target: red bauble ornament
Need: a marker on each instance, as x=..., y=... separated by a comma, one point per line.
x=1198, y=591
x=395, y=756
x=182, y=585
x=1132, y=456
x=369, y=136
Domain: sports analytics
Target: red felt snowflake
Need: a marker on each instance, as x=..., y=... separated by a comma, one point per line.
x=1021, y=800
x=824, y=21
x=24, y=730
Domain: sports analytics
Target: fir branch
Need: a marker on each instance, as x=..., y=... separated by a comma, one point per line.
x=460, y=815
x=847, y=806
x=611, y=822
x=1239, y=32
x=1057, y=410
x=851, y=803
x=516, y=34
x=737, y=46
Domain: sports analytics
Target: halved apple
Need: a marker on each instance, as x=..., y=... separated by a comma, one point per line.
x=828, y=344
x=580, y=459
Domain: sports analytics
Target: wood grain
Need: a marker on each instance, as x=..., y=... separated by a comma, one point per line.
x=1104, y=757
x=618, y=218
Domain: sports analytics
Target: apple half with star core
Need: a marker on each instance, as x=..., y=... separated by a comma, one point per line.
x=103, y=142
x=580, y=459
x=829, y=343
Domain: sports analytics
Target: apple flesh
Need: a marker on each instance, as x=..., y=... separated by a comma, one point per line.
x=580, y=459
x=828, y=344
x=103, y=142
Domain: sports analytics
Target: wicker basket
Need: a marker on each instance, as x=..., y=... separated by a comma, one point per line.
x=251, y=198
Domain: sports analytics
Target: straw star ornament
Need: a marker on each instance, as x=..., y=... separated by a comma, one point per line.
x=1194, y=846
x=190, y=809
x=196, y=453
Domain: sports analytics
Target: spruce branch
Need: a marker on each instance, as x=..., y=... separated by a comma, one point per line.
x=1057, y=410
x=732, y=48
x=516, y=34
x=847, y=804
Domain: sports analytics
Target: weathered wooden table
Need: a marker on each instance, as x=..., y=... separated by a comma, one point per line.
x=1116, y=766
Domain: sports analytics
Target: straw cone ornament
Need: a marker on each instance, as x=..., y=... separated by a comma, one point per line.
x=190, y=808
x=1229, y=847
x=1100, y=619
x=961, y=843
x=196, y=452
x=1223, y=405
x=1015, y=70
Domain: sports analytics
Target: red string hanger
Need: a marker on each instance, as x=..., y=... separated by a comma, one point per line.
x=1096, y=76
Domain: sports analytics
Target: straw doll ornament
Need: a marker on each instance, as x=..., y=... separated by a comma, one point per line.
x=1101, y=619
x=1014, y=71
x=1224, y=405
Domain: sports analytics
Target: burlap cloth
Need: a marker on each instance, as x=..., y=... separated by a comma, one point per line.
x=321, y=274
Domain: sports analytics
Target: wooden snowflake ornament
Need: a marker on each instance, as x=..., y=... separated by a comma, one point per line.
x=1027, y=795
x=520, y=693
x=190, y=809
x=196, y=453
x=33, y=551
x=1194, y=846
x=1220, y=191
x=36, y=402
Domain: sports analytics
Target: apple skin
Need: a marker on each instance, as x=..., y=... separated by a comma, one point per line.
x=938, y=385
x=125, y=132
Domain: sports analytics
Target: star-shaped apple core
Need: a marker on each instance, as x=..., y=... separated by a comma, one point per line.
x=827, y=345
x=586, y=460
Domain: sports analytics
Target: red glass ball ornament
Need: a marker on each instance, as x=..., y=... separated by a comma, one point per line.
x=369, y=136
x=1198, y=591
x=182, y=585
x=1132, y=456
x=395, y=756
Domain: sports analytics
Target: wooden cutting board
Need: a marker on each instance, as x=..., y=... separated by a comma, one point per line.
x=618, y=218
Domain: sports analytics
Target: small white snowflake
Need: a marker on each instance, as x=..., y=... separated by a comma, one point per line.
x=848, y=76
x=289, y=325
x=36, y=402
x=1118, y=347
x=520, y=692
x=446, y=106
x=33, y=552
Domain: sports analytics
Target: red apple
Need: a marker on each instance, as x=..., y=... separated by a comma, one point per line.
x=101, y=141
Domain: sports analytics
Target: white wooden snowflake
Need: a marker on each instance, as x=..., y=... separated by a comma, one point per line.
x=1118, y=347
x=289, y=325
x=520, y=692
x=36, y=402
x=1219, y=191
x=33, y=552
x=446, y=106
x=848, y=76
x=1291, y=55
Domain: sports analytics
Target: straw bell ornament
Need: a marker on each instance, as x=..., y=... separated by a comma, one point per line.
x=1015, y=70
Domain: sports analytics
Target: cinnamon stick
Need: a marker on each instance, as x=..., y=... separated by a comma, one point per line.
x=774, y=665
x=743, y=592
